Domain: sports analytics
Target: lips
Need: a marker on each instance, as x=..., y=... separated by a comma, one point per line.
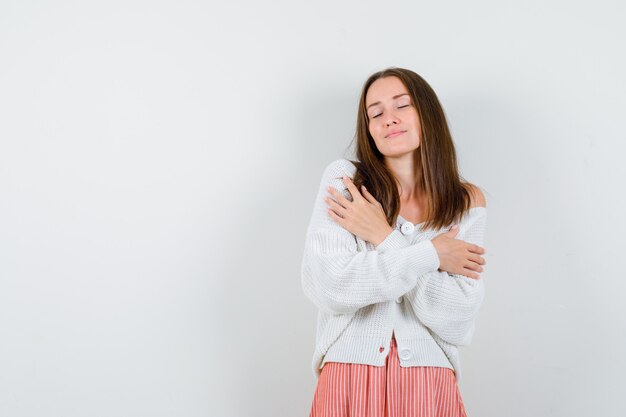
x=395, y=133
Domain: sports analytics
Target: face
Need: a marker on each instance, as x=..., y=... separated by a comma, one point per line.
x=393, y=119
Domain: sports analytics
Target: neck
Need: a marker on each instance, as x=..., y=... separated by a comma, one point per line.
x=405, y=173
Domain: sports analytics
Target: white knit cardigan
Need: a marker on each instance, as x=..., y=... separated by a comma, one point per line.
x=365, y=293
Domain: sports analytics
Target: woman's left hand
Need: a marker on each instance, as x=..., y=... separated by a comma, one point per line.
x=363, y=216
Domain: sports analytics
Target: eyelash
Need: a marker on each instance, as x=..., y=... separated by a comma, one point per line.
x=373, y=117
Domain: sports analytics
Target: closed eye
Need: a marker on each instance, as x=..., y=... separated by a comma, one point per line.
x=400, y=107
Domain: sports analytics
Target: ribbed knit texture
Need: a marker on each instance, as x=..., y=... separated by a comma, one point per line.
x=365, y=293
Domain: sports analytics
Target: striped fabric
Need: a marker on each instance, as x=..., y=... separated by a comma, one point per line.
x=357, y=390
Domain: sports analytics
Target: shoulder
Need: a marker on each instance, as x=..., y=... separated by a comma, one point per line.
x=333, y=173
x=478, y=198
x=339, y=168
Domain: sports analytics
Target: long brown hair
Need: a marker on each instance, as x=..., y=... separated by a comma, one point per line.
x=448, y=195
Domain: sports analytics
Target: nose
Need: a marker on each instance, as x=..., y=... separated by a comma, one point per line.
x=391, y=120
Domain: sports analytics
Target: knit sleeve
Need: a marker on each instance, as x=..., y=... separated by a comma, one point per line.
x=448, y=303
x=340, y=276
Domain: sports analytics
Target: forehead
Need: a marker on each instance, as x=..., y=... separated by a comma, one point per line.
x=383, y=89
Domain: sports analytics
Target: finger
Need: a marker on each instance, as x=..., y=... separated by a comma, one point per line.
x=351, y=187
x=339, y=197
x=478, y=259
x=474, y=267
x=334, y=216
x=476, y=249
x=471, y=274
x=369, y=197
x=337, y=208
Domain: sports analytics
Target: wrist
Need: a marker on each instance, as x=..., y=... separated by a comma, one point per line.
x=383, y=236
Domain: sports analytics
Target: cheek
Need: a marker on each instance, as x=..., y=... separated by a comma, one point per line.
x=375, y=135
x=416, y=120
x=374, y=130
x=371, y=131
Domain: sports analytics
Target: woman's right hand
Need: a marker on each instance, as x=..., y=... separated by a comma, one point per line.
x=458, y=256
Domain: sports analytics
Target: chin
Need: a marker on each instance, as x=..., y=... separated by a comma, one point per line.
x=397, y=153
x=400, y=150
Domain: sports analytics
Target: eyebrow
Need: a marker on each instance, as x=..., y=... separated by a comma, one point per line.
x=394, y=97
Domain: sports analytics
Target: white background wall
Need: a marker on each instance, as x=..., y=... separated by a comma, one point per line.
x=159, y=161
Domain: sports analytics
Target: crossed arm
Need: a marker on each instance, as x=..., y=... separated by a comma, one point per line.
x=340, y=278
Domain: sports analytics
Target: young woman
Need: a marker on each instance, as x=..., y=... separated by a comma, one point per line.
x=392, y=260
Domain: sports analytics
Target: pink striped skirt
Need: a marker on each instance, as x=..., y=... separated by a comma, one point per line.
x=356, y=390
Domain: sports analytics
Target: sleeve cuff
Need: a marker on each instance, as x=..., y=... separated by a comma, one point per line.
x=424, y=250
x=430, y=254
x=394, y=240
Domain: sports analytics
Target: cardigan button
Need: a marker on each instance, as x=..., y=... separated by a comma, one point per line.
x=399, y=300
x=382, y=348
x=407, y=228
x=405, y=354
